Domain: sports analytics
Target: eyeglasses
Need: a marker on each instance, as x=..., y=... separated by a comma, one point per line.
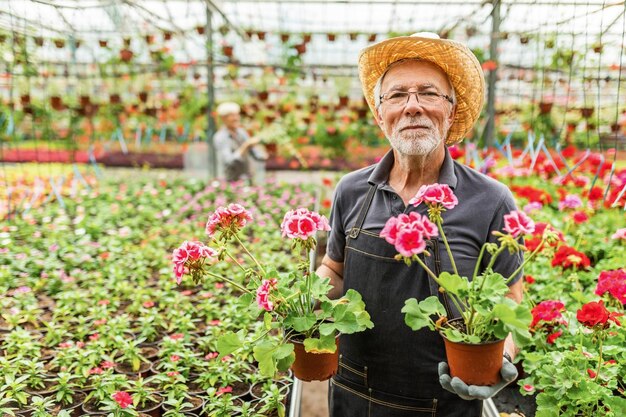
x=400, y=98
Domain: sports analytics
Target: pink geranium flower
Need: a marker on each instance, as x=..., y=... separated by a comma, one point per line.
x=408, y=233
x=518, y=223
x=190, y=257
x=435, y=194
x=123, y=398
x=263, y=292
x=302, y=224
x=228, y=219
x=571, y=201
x=613, y=282
x=619, y=234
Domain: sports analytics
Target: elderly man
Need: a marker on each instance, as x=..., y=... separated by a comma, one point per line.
x=426, y=93
x=237, y=156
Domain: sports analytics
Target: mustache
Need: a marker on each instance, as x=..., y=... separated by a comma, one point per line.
x=413, y=121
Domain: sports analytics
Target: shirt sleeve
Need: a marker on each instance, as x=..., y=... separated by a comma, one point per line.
x=337, y=235
x=223, y=148
x=506, y=263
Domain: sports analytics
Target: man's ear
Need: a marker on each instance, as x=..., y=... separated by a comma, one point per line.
x=452, y=114
x=379, y=117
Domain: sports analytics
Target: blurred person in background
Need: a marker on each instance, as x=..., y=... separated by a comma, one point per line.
x=238, y=155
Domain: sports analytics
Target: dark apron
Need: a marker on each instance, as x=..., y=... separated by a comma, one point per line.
x=391, y=370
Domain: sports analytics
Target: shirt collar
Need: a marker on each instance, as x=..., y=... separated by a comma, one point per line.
x=380, y=174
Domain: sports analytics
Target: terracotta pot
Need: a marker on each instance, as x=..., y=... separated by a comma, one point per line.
x=114, y=99
x=545, y=107
x=143, y=96
x=263, y=95
x=475, y=364
x=271, y=148
x=331, y=37
x=227, y=50
x=314, y=366
x=126, y=55
x=200, y=30
x=586, y=112
x=56, y=103
x=103, y=43
x=306, y=38
x=25, y=99
x=343, y=101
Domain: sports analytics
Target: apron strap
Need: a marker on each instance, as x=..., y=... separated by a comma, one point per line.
x=354, y=233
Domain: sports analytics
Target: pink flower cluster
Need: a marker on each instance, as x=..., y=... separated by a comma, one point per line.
x=408, y=233
x=263, y=294
x=571, y=201
x=613, y=282
x=123, y=399
x=619, y=234
x=302, y=224
x=548, y=311
x=232, y=218
x=186, y=257
x=518, y=223
x=435, y=194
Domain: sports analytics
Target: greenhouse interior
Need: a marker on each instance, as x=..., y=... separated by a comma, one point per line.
x=237, y=208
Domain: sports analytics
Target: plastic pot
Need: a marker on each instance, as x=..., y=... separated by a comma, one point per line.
x=310, y=366
x=478, y=364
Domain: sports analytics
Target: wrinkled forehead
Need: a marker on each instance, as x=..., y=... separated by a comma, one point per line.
x=415, y=73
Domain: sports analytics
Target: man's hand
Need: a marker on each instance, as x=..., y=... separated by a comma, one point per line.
x=476, y=392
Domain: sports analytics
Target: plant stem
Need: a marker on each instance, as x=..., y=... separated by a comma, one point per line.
x=532, y=255
x=495, y=256
x=250, y=255
x=445, y=242
x=453, y=297
x=478, y=262
x=229, y=281
x=600, y=357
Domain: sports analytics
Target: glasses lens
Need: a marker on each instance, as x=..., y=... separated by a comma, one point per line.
x=397, y=97
x=429, y=98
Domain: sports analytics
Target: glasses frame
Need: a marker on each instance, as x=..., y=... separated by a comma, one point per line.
x=417, y=96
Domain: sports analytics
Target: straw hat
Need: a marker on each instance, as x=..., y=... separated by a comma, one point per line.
x=454, y=58
x=227, y=108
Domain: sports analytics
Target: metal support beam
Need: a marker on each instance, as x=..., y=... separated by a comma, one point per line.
x=491, y=79
x=210, y=94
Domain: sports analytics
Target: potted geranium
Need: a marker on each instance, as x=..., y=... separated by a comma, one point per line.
x=487, y=316
x=293, y=305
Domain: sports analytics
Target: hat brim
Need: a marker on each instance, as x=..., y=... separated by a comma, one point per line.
x=455, y=59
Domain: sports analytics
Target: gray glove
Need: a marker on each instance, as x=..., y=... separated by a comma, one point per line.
x=476, y=392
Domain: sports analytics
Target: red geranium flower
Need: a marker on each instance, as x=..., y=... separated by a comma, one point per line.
x=595, y=313
x=568, y=257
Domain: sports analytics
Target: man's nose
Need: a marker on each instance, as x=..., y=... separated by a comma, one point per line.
x=413, y=105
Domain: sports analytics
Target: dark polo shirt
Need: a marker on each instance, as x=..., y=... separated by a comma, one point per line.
x=483, y=202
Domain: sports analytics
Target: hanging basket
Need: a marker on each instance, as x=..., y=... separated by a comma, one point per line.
x=310, y=366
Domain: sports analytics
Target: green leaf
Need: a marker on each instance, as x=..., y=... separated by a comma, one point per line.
x=418, y=315
x=325, y=344
x=617, y=405
x=267, y=320
x=228, y=343
x=301, y=323
x=454, y=284
x=515, y=319
x=264, y=354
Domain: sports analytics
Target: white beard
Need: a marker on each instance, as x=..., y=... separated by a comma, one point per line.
x=418, y=142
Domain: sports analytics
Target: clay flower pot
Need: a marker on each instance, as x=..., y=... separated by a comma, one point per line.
x=310, y=366
x=103, y=43
x=586, y=112
x=545, y=107
x=126, y=55
x=227, y=50
x=475, y=364
x=56, y=103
